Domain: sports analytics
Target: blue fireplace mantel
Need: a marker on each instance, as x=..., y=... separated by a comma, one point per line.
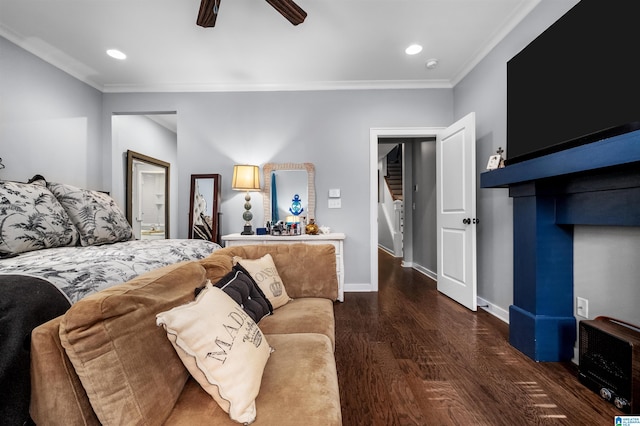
x=593, y=184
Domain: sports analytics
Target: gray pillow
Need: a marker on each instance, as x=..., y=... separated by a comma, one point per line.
x=96, y=215
x=31, y=218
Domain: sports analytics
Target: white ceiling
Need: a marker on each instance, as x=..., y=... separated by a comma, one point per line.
x=343, y=44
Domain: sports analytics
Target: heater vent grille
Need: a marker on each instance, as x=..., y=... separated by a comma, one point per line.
x=609, y=361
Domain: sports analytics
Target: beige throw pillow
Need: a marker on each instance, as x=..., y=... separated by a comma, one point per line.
x=264, y=273
x=222, y=347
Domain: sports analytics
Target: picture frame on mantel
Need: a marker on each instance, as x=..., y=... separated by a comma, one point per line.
x=496, y=161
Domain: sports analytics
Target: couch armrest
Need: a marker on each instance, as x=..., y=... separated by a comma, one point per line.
x=307, y=270
x=57, y=396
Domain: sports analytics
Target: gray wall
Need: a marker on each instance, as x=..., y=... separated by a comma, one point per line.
x=607, y=271
x=143, y=135
x=484, y=91
x=328, y=128
x=57, y=126
x=54, y=125
x=50, y=123
x=424, y=231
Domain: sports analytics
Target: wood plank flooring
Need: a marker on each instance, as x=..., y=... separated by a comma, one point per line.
x=411, y=356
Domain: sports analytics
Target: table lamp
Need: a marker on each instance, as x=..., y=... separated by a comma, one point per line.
x=246, y=178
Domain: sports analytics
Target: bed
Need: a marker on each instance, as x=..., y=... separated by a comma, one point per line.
x=58, y=244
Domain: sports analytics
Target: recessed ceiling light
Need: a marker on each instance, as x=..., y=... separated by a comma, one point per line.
x=115, y=53
x=413, y=49
x=431, y=64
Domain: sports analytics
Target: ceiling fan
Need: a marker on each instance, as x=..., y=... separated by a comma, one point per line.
x=287, y=8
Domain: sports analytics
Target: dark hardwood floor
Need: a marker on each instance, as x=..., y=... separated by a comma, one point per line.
x=411, y=356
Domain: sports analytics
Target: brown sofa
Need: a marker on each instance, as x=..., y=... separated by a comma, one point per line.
x=120, y=368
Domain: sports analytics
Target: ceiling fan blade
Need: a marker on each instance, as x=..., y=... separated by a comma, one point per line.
x=208, y=13
x=289, y=10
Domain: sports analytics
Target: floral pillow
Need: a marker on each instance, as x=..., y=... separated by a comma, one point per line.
x=96, y=215
x=31, y=218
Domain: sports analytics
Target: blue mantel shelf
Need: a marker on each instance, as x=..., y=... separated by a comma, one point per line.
x=593, y=184
x=618, y=150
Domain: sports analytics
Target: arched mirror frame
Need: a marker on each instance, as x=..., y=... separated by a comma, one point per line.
x=268, y=168
x=133, y=156
x=213, y=208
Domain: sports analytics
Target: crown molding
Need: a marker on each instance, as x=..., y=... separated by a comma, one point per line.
x=281, y=87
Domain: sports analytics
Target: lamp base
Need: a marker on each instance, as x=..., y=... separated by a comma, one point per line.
x=247, y=230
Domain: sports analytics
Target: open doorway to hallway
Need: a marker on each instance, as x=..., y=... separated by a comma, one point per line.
x=415, y=218
x=406, y=211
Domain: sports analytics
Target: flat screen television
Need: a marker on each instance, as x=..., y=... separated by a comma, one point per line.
x=578, y=82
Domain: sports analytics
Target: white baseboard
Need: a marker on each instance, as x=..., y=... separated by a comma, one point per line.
x=429, y=273
x=356, y=287
x=386, y=250
x=494, y=310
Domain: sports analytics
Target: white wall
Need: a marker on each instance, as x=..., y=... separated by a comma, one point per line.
x=50, y=123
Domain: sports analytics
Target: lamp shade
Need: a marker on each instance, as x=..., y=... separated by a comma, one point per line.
x=245, y=178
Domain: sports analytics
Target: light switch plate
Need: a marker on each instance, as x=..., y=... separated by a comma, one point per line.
x=334, y=193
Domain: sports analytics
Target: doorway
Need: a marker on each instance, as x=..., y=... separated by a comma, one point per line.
x=153, y=135
x=388, y=134
x=414, y=241
x=454, y=187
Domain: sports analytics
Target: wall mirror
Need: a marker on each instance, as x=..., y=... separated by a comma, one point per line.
x=147, y=196
x=281, y=183
x=204, y=206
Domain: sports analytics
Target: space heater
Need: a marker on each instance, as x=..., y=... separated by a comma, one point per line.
x=610, y=361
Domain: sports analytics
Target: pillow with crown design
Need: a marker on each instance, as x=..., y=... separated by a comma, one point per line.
x=264, y=273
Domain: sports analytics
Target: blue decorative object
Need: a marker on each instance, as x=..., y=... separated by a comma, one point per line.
x=275, y=217
x=296, y=206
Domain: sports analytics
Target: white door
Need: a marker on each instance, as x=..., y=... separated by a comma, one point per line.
x=456, y=205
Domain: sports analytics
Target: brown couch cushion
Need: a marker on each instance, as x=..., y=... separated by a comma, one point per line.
x=299, y=386
x=303, y=315
x=307, y=270
x=128, y=368
x=53, y=380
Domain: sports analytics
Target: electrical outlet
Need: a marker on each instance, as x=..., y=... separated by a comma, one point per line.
x=582, y=307
x=335, y=203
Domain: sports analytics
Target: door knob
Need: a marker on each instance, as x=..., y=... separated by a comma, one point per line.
x=476, y=220
x=466, y=221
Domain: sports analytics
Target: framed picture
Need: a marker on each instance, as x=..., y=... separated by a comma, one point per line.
x=204, y=207
x=495, y=162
